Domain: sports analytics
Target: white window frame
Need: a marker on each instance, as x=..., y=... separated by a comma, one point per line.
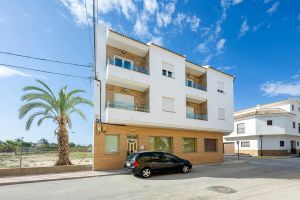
x=173, y=106
x=245, y=142
x=220, y=117
x=221, y=87
x=124, y=59
x=237, y=128
x=167, y=66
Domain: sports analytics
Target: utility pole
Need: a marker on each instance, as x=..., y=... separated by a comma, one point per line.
x=21, y=154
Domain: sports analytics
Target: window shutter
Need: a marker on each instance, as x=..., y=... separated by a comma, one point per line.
x=168, y=104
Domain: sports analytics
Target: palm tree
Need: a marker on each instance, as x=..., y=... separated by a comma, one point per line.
x=41, y=103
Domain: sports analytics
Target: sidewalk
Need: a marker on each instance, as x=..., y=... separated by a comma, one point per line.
x=83, y=174
x=60, y=176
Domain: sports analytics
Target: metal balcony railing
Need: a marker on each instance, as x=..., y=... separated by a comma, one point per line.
x=195, y=85
x=127, y=106
x=196, y=116
x=128, y=65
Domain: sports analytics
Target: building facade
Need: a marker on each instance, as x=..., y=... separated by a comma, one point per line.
x=150, y=98
x=270, y=130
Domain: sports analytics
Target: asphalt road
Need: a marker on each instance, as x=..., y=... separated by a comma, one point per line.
x=259, y=179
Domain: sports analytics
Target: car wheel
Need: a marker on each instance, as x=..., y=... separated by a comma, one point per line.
x=185, y=169
x=146, y=172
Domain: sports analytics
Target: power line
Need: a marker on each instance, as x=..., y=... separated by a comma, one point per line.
x=89, y=28
x=43, y=71
x=45, y=59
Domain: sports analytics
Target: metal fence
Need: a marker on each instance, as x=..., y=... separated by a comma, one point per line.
x=42, y=156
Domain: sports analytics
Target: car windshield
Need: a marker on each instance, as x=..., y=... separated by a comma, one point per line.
x=132, y=156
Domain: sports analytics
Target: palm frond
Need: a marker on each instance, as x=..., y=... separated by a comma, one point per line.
x=31, y=106
x=79, y=112
x=32, y=117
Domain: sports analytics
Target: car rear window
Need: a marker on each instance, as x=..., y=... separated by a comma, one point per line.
x=132, y=156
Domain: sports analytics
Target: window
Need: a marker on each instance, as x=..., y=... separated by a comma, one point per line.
x=240, y=128
x=221, y=114
x=170, y=157
x=269, y=122
x=245, y=144
x=210, y=145
x=297, y=143
x=294, y=124
x=293, y=107
x=299, y=109
x=298, y=127
x=189, y=145
x=190, y=82
x=167, y=70
x=281, y=143
x=122, y=62
x=221, y=87
x=168, y=104
x=111, y=143
x=161, y=144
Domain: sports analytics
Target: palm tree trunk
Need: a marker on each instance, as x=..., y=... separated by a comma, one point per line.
x=63, y=144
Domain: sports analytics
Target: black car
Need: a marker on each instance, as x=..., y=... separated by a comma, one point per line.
x=147, y=163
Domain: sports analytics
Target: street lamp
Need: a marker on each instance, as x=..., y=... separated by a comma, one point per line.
x=261, y=145
x=238, y=144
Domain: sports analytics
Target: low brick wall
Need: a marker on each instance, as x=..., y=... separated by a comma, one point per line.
x=43, y=170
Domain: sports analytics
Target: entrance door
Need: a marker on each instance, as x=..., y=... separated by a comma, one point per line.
x=229, y=148
x=131, y=144
x=293, y=147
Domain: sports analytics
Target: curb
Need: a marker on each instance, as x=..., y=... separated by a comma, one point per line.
x=63, y=178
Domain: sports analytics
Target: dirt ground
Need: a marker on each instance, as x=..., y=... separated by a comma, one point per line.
x=42, y=159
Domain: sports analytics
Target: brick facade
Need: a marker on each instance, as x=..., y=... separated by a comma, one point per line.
x=104, y=161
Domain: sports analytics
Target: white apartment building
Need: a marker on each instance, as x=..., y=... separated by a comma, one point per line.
x=155, y=99
x=270, y=129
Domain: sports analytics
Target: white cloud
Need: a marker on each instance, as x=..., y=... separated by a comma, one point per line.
x=150, y=6
x=244, y=28
x=220, y=44
x=273, y=8
x=164, y=17
x=201, y=48
x=180, y=20
x=235, y=2
x=141, y=25
x=78, y=10
x=225, y=68
x=157, y=40
x=194, y=23
x=296, y=75
x=207, y=58
x=6, y=72
x=257, y=26
x=267, y=1
x=280, y=88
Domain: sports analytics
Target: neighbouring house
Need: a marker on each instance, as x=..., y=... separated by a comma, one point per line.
x=151, y=98
x=271, y=130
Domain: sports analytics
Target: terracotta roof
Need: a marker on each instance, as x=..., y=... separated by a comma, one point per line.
x=275, y=111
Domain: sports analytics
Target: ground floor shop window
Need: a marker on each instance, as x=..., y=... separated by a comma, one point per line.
x=189, y=145
x=210, y=145
x=161, y=144
x=111, y=143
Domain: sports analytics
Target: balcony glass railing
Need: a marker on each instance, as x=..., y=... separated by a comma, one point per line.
x=195, y=85
x=127, y=65
x=196, y=116
x=128, y=106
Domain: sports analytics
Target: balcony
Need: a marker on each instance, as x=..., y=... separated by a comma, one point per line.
x=127, y=106
x=125, y=64
x=196, y=116
x=196, y=109
x=127, y=99
x=195, y=85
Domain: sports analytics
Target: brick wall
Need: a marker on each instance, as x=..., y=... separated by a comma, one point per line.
x=113, y=161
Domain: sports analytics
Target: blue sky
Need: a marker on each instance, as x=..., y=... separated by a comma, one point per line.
x=258, y=41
